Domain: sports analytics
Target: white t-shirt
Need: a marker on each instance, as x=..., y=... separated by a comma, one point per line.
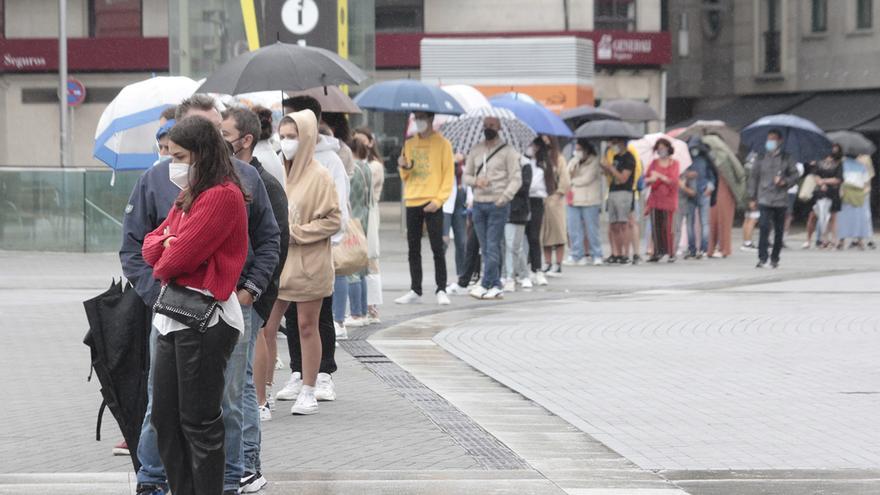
x=270, y=160
x=538, y=189
x=229, y=310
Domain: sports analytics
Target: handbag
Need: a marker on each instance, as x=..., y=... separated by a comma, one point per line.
x=350, y=255
x=187, y=306
x=808, y=187
x=852, y=195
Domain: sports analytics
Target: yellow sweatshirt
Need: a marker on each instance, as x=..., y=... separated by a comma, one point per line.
x=432, y=173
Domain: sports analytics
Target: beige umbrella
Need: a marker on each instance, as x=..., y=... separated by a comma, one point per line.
x=716, y=127
x=331, y=98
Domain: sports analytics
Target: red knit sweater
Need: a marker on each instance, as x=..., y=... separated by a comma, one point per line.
x=210, y=246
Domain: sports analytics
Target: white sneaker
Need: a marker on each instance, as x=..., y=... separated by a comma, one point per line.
x=598, y=262
x=270, y=399
x=325, y=390
x=341, y=332
x=540, y=279
x=373, y=320
x=582, y=262
x=478, y=292
x=555, y=271
x=526, y=283
x=252, y=483
x=265, y=412
x=291, y=390
x=409, y=298
x=305, y=405
x=717, y=255
x=494, y=293
x=510, y=285
x=279, y=364
x=456, y=290
x=443, y=299
x=352, y=322
x=569, y=261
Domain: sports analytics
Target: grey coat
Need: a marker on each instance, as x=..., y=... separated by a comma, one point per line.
x=761, y=187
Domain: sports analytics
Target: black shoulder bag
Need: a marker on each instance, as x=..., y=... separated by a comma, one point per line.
x=186, y=306
x=486, y=161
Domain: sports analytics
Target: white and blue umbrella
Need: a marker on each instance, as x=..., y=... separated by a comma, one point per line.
x=466, y=130
x=801, y=139
x=406, y=95
x=126, y=134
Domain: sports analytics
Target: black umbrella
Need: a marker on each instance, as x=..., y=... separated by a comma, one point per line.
x=118, y=336
x=586, y=113
x=282, y=66
x=631, y=110
x=853, y=143
x=606, y=129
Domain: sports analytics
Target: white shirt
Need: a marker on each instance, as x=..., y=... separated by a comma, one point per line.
x=800, y=168
x=538, y=189
x=449, y=205
x=229, y=310
x=270, y=160
x=326, y=153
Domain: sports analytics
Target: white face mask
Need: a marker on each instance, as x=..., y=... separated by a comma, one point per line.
x=579, y=155
x=289, y=147
x=530, y=152
x=421, y=125
x=178, y=172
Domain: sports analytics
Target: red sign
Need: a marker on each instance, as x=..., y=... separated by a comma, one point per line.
x=85, y=54
x=620, y=48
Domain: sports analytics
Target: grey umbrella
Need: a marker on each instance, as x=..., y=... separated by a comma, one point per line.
x=331, y=98
x=631, y=110
x=853, y=143
x=606, y=129
x=282, y=66
x=586, y=113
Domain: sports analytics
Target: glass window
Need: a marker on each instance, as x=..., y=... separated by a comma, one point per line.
x=819, y=16
x=400, y=16
x=864, y=14
x=115, y=18
x=772, y=38
x=615, y=15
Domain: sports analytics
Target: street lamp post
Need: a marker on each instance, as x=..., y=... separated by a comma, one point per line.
x=62, y=79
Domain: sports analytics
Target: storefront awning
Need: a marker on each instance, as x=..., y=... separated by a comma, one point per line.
x=840, y=111
x=744, y=110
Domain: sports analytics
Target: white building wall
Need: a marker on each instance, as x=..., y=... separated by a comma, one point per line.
x=648, y=15
x=478, y=16
x=39, y=19
x=155, y=18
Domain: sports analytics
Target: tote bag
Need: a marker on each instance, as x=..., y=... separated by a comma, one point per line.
x=350, y=255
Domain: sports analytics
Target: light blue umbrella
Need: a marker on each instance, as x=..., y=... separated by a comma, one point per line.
x=802, y=139
x=534, y=115
x=406, y=95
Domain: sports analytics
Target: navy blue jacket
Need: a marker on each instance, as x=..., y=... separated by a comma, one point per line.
x=149, y=204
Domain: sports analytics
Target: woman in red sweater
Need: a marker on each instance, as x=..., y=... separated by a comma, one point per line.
x=662, y=176
x=202, y=246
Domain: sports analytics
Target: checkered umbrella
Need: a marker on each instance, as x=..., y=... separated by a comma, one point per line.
x=466, y=130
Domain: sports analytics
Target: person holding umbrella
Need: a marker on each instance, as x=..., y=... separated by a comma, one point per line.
x=773, y=174
x=427, y=170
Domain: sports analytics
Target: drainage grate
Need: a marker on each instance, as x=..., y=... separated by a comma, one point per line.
x=487, y=450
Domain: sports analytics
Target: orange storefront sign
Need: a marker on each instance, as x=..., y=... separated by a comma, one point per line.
x=556, y=97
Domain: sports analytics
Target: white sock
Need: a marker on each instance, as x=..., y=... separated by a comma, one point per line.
x=308, y=390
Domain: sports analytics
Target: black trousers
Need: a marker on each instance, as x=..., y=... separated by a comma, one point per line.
x=472, y=262
x=188, y=386
x=776, y=216
x=533, y=232
x=415, y=218
x=325, y=329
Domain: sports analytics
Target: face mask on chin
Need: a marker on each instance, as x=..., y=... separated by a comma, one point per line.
x=178, y=173
x=289, y=147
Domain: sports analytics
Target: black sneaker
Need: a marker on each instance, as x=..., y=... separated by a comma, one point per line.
x=150, y=489
x=761, y=264
x=774, y=264
x=253, y=482
x=611, y=260
x=623, y=260
x=636, y=259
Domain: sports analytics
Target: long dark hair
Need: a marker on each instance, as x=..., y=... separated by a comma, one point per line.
x=210, y=155
x=547, y=157
x=265, y=116
x=374, y=151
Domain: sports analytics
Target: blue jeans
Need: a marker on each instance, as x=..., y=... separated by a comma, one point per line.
x=357, y=296
x=489, y=221
x=250, y=430
x=151, y=470
x=581, y=219
x=701, y=204
x=340, y=297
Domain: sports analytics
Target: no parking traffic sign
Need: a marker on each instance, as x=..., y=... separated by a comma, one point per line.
x=76, y=92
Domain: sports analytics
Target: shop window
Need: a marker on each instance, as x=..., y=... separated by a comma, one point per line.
x=395, y=16
x=819, y=22
x=772, y=37
x=864, y=14
x=115, y=18
x=615, y=15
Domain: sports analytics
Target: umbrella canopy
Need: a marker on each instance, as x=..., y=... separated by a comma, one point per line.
x=118, y=336
x=331, y=98
x=645, y=147
x=802, y=139
x=853, y=143
x=534, y=115
x=466, y=130
x=728, y=166
x=575, y=117
x=126, y=135
x=515, y=95
x=631, y=110
x=282, y=66
x=606, y=129
x=406, y=95
x=716, y=127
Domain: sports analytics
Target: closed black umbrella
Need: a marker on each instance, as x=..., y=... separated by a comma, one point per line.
x=853, y=143
x=606, y=129
x=586, y=113
x=118, y=336
x=282, y=66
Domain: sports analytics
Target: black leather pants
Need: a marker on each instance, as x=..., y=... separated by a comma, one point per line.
x=188, y=388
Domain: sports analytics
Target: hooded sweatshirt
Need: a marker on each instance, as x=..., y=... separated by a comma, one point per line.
x=313, y=217
x=327, y=154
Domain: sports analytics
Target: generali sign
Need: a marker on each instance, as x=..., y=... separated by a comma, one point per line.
x=85, y=54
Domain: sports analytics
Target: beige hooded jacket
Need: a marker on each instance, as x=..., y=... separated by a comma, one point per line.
x=314, y=216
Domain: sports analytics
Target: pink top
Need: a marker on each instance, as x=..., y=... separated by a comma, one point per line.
x=664, y=196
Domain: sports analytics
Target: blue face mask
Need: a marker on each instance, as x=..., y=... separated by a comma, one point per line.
x=771, y=145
